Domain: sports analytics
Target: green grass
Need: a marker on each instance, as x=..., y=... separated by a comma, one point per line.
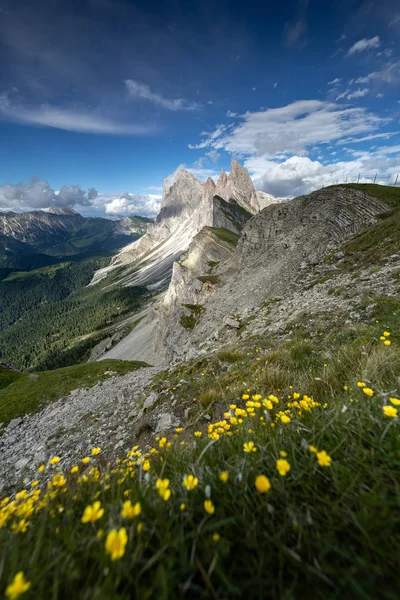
x=386, y=193
x=7, y=376
x=188, y=321
x=30, y=391
x=320, y=532
x=226, y=235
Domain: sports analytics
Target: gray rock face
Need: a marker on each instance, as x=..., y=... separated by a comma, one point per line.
x=239, y=186
x=274, y=244
x=187, y=206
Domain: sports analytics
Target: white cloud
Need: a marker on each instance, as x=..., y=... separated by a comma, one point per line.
x=38, y=194
x=275, y=84
x=335, y=81
x=364, y=44
x=153, y=188
x=290, y=129
x=141, y=91
x=69, y=120
x=358, y=93
x=253, y=89
x=274, y=144
x=229, y=113
x=138, y=204
x=300, y=175
x=213, y=155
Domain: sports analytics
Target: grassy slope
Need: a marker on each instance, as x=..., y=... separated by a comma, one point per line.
x=319, y=532
x=28, y=392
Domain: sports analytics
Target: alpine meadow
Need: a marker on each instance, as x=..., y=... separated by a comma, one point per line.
x=199, y=300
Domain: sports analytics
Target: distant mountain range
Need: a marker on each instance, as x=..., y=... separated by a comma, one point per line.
x=39, y=238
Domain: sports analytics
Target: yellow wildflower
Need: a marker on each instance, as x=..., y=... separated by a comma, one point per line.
x=139, y=527
x=75, y=469
x=249, y=447
x=389, y=411
x=116, y=542
x=285, y=419
x=18, y=586
x=179, y=430
x=34, y=483
x=96, y=451
x=360, y=384
x=146, y=465
x=224, y=476
x=245, y=397
x=190, y=482
x=54, y=460
x=198, y=433
x=387, y=343
x=209, y=507
x=216, y=537
x=162, y=486
x=312, y=449
x=162, y=442
x=130, y=511
x=86, y=460
x=324, y=460
x=59, y=480
x=283, y=466
x=93, y=512
x=368, y=391
x=386, y=334
x=182, y=506
x=262, y=484
x=41, y=468
x=395, y=401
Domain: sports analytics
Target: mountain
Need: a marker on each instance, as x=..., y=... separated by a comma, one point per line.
x=264, y=440
x=187, y=206
x=37, y=239
x=48, y=315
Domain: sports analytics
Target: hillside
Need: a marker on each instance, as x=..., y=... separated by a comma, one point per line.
x=48, y=317
x=261, y=453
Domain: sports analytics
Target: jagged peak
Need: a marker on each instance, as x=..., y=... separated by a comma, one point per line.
x=223, y=178
x=180, y=175
x=209, y=183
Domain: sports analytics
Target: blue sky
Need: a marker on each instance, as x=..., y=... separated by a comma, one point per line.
x=112, y=96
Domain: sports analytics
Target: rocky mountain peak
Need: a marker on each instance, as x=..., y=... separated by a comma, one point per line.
x=238, y=186
x=222, y=179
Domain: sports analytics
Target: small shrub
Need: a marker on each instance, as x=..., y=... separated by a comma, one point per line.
x=208, y=397
x=188, y=321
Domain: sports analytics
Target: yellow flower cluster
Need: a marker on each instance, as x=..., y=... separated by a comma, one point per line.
x=385, y=338
x=324, y=460
x=215, y=430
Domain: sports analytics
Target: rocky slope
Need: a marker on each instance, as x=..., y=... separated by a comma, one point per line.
x=298, y=267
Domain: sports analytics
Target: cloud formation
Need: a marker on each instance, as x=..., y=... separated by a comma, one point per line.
x=37, y=194
x=290, y=129
x=364, y=44
x=141, y=91
x=138, y=204
x=81, y=121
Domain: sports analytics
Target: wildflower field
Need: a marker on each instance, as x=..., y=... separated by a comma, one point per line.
x=292, y=492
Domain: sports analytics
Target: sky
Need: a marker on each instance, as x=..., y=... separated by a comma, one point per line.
x=101, y=100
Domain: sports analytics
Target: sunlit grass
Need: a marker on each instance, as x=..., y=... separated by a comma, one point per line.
x=287, y=492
